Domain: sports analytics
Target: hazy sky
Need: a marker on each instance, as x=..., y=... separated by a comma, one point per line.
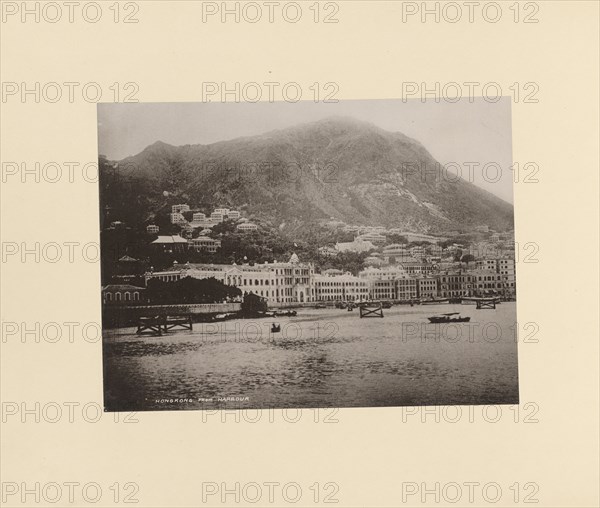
x=458, y=133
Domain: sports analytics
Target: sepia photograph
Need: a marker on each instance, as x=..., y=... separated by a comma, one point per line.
x=303, y=255
x=299, y=254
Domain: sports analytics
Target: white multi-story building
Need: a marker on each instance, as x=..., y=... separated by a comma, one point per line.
x=205, y=243
x=406, y=288
x=345, y=287
x=394, y=251
x=216, y=217
x=223, y=211
x=415, y=237
x=375, y=238
x=204, y=224
x=153, y=229
x=503, y=270
x=358, y=245
x=247, y=226
x=198, y=216
x=277, y=282
x=417, y=252
x=177, y=218
x=384, y=273
x=233, y=215
x=180, y=208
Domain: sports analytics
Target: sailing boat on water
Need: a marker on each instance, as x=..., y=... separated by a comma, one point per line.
x=448, y=318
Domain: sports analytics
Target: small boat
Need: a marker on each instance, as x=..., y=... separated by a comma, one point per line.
x=447, y=318
x=275, y=328
x=434, y=301
x=320, y=306
x=220, y=317
x=289, y=313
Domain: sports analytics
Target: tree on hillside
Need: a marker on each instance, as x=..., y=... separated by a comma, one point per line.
x=467, y=258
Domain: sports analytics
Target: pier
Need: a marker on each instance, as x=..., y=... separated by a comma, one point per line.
x=483, y=303
x=371, y=309
x=157, y=325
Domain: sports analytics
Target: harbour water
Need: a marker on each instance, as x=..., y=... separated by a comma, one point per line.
x=321, y=358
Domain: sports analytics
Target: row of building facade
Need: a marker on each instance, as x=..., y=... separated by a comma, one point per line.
x=297, y=282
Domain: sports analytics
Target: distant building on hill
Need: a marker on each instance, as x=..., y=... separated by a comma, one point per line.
x=205, y=243
x=180, y=208
x=170, y=244
x=358, y=245
x=177, y=218
x=247, y=226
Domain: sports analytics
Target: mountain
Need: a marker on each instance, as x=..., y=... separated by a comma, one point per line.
x=343, y=168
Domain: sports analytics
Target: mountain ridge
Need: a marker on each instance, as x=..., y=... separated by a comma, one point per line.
x=337, y=167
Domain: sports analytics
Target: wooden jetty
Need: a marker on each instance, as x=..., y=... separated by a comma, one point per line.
x=371, y=309
x=157, y=325
x=483, y=303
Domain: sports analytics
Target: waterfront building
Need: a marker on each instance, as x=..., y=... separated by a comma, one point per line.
x=406, y=288
x=122, y=294
x=247, y=226
x=455, y=284
x=427, y=287
x=340, y=287
x=382, y=289
x=486, y=282
x=504, y=269
x=152, y=229
x=277, y=282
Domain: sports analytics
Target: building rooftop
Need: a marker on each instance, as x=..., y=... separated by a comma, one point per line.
x=122, y=287
x=170, y=239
